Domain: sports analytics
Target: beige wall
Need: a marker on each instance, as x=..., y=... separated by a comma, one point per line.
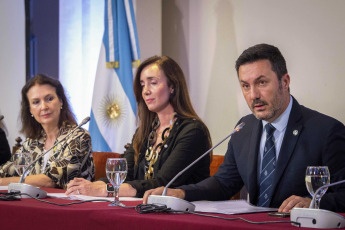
x=12, y=63
x=148, y=15
x=208, y=36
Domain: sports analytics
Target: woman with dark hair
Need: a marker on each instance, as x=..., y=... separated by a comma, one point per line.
x=46, y=119
x=169, y=137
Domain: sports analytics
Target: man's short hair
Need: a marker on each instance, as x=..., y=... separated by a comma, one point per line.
x=264, y=52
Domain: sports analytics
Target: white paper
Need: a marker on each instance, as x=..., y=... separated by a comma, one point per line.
x=58, y=195
x=229, y=207
x=83, y=197
x=3, y=188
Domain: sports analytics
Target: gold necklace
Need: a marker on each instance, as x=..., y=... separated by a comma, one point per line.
x=152, y=152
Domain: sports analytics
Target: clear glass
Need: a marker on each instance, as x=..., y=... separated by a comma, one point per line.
x=315, y=177
x=116, y=170
x=21, y=161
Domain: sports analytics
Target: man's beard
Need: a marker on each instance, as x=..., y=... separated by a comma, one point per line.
x=276, y=106
x=269, y=114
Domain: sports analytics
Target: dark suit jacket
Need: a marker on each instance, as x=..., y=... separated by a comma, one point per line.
x=311, y=139
x=5, y=153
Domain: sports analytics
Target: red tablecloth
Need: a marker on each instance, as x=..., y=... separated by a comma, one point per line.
x=32, y=214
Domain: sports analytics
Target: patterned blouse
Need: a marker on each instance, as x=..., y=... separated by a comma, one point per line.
x=71, y=158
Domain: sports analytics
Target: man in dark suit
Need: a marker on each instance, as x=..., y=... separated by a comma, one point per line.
x=269, y=156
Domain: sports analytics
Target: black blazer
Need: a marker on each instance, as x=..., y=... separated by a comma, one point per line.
x=311, y=139
x=5, y=153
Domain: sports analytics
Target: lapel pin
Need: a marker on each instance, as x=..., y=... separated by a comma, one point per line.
x=295, y=132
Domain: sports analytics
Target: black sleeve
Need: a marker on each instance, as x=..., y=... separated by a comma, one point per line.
x=5, y=153
x=208, y=189
x=334, y=157
x=222, y=186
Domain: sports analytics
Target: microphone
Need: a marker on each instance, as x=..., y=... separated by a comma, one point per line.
x=318, y=218
x=32, y=190
x=1, y=117
x=178, y=204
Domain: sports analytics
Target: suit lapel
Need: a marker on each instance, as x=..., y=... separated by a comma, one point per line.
x=291, y=136
x=253, y=161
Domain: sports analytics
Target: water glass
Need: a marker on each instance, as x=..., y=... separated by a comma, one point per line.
x=116, y=170
x=315, y=177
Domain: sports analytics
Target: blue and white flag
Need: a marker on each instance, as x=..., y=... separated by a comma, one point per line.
x=113, y=111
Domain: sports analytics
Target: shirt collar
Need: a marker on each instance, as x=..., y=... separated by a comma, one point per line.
x=281, y=122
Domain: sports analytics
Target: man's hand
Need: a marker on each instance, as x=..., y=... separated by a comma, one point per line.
x=294, y=201
x=179, y=193
x=80, y=186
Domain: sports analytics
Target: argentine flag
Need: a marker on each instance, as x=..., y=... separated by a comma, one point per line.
x=113, y=111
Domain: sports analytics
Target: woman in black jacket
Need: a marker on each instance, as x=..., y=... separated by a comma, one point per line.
x=169, y=137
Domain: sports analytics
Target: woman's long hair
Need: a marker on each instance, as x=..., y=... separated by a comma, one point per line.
x=30, y=127
x=179, y=99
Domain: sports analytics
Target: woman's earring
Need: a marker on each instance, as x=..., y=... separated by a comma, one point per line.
x=32, y=115
x=61, y=108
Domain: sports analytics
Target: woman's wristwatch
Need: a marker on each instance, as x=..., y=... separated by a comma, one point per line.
x=110, y=190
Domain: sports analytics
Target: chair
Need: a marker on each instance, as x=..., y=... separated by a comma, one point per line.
x=17, y=145
x=100, y=160
x=217, y=160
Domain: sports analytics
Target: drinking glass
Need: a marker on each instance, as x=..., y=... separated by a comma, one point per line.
x=21, y=161
x=116, y=170
x=315, y=177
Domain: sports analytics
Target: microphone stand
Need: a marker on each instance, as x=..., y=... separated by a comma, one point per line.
x=178, y=204
x=32, y=190
x=318, y=218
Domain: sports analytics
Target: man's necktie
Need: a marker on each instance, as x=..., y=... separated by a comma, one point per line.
x=267, y=168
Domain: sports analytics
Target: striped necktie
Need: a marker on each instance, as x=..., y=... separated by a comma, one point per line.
x=267, y=168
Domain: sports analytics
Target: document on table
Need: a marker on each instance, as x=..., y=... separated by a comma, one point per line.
x=83, y=197
x=229, y=207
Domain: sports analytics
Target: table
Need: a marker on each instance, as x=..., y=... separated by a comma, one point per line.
x=32, y=214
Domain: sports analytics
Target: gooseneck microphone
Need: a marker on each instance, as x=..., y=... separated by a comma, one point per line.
x=318, y=218
x=32, y=190
x=318, y=191
x=178, y=204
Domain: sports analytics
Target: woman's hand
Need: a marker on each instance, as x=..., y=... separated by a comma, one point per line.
x=80, y=186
